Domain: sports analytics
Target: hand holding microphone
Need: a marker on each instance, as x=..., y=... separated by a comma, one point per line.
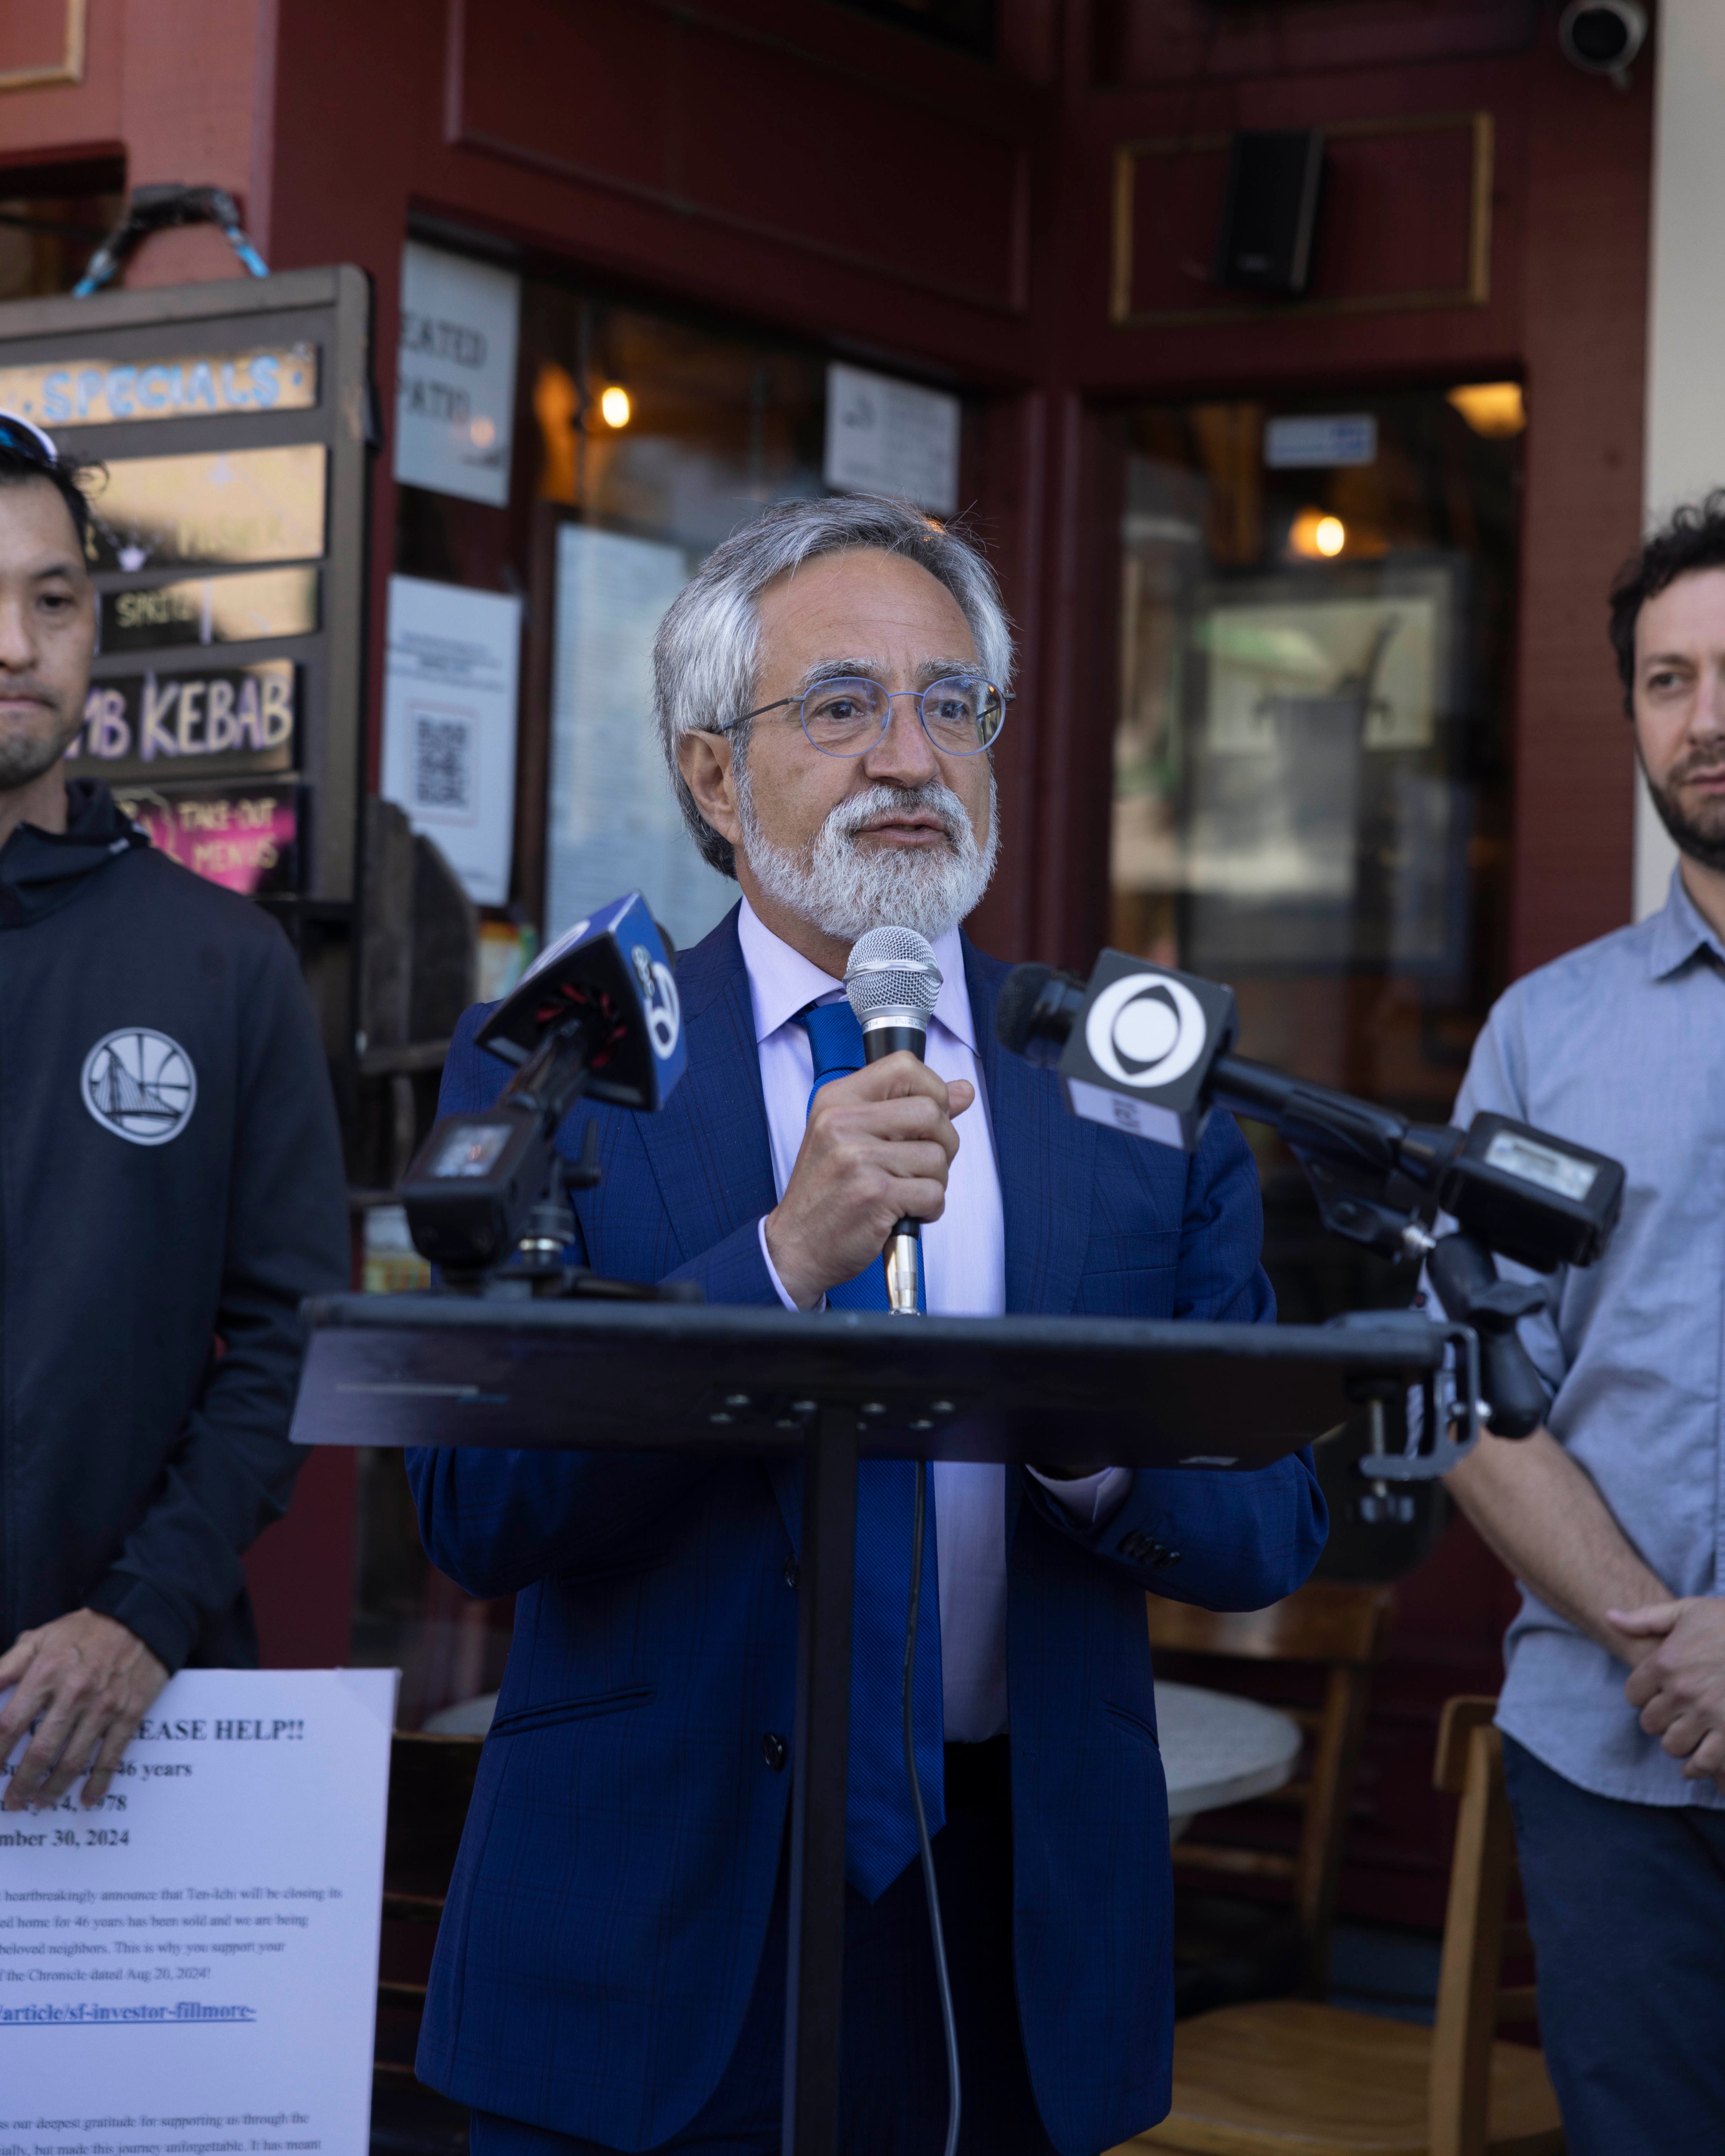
x=879, y=1143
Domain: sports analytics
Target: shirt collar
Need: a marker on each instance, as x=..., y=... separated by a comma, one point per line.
x=1679, y=931
x=782, y=981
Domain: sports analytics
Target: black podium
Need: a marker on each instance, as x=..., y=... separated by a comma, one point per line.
x=448, y=1370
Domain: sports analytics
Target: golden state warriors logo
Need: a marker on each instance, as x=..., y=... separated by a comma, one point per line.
x=139, y=1085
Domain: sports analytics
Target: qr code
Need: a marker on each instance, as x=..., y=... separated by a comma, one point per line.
x=443, y=762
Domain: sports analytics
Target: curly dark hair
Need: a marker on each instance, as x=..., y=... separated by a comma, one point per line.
x=1694, y=539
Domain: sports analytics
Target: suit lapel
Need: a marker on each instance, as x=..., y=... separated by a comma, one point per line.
x=1047, y=1159
x=707, y=1148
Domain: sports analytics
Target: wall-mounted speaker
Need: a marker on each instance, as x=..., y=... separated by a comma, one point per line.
x=1269, y=212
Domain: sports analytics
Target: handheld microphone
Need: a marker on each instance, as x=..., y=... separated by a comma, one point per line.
x=893, y=984
x=598, y=1013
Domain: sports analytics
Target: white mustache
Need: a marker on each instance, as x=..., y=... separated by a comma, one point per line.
x=853, y=816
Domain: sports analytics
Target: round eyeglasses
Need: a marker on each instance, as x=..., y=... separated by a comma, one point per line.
x=962, y=713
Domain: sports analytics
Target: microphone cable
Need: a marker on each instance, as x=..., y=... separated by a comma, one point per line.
x=949, y=2027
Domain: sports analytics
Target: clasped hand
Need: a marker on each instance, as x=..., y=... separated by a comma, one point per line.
x=1679, y=1685
x=86, y=1683
x=878, y=1149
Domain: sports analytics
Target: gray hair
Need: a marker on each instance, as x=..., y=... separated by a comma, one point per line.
x=706, y=658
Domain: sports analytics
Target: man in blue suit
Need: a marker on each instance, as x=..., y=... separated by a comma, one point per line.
x=610, y=1970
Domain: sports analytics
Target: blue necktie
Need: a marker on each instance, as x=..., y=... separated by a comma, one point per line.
x=880, y=1825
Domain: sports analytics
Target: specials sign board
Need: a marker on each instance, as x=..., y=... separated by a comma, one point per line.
x=209, y=723
x=91, y=392
x=244, y=837
x=223, y=430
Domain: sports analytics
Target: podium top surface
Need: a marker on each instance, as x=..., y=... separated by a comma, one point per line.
x=448, y=1370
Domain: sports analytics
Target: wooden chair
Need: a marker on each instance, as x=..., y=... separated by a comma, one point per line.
x=430, y=1787
x=1287, y=2076
x=1346, y=1629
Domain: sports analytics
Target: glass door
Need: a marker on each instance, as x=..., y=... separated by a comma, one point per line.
x=1310, y=788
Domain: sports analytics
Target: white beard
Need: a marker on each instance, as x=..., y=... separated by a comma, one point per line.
x=844, y=890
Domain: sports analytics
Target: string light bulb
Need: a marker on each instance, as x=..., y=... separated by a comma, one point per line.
x=1496, y=409
x=614, y=408
x=1317, y=535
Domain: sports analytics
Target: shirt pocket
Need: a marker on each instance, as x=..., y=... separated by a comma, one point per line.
x=552, y=1714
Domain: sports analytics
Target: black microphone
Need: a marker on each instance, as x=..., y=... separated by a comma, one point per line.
x=893, y=984
x=1145, y=1049
x=596, y=1014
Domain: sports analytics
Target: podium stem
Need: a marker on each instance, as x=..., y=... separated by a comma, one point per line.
x=815, y=1975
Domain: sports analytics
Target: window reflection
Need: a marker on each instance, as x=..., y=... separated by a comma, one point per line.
x=1311, y=782
x=641, y=441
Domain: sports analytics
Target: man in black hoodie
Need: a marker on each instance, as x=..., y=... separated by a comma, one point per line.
x=171, y=1186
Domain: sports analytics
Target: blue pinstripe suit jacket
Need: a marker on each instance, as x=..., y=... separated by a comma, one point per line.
x=612, y=1895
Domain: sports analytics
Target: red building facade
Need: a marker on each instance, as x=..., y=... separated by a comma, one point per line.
x=1020, y=212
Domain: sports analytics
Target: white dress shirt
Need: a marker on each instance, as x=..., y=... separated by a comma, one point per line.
x=963, y=1274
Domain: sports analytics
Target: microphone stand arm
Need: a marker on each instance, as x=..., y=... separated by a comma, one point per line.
x=1374, y=1174
x=1378, y=1178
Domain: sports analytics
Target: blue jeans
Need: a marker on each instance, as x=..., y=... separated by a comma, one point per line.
x=1626, y=1903
x=893, y=2071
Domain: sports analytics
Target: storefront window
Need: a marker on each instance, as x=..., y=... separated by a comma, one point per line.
x=1311, y=780
x=640, y=441
x=656, y=438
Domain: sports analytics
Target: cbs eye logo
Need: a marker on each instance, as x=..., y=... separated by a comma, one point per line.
x=1145, y=1031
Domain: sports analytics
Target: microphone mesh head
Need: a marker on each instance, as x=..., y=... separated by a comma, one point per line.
x=892, y=969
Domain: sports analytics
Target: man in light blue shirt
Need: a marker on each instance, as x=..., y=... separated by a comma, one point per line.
x=1612, y=1516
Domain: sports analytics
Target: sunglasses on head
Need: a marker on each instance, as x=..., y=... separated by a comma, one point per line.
x=28, y=441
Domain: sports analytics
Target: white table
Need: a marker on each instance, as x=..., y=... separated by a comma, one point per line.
x=1217, y=1749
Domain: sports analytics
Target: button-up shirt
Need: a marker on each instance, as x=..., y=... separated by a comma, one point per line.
x=963, y=1274
x=1620, y=1045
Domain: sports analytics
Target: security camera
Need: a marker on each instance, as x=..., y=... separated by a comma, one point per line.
x=1603, y=37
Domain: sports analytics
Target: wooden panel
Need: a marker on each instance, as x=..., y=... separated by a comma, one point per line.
x=1012, y=523
x=1588, y=188
x=717, y=121
x=1162, y=41
x=63, y=115
x=41, y=42
x=1405, y=222
x=299, y=1573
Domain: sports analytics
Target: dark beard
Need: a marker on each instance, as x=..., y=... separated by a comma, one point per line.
x=1703, y=842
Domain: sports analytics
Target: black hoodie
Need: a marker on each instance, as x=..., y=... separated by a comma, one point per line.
x=171, y=1186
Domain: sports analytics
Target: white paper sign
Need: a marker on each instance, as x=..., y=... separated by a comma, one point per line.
x=454, y=398
x=613, y=824
x=888, y=437
x=449, y=724
x=191, y=1969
